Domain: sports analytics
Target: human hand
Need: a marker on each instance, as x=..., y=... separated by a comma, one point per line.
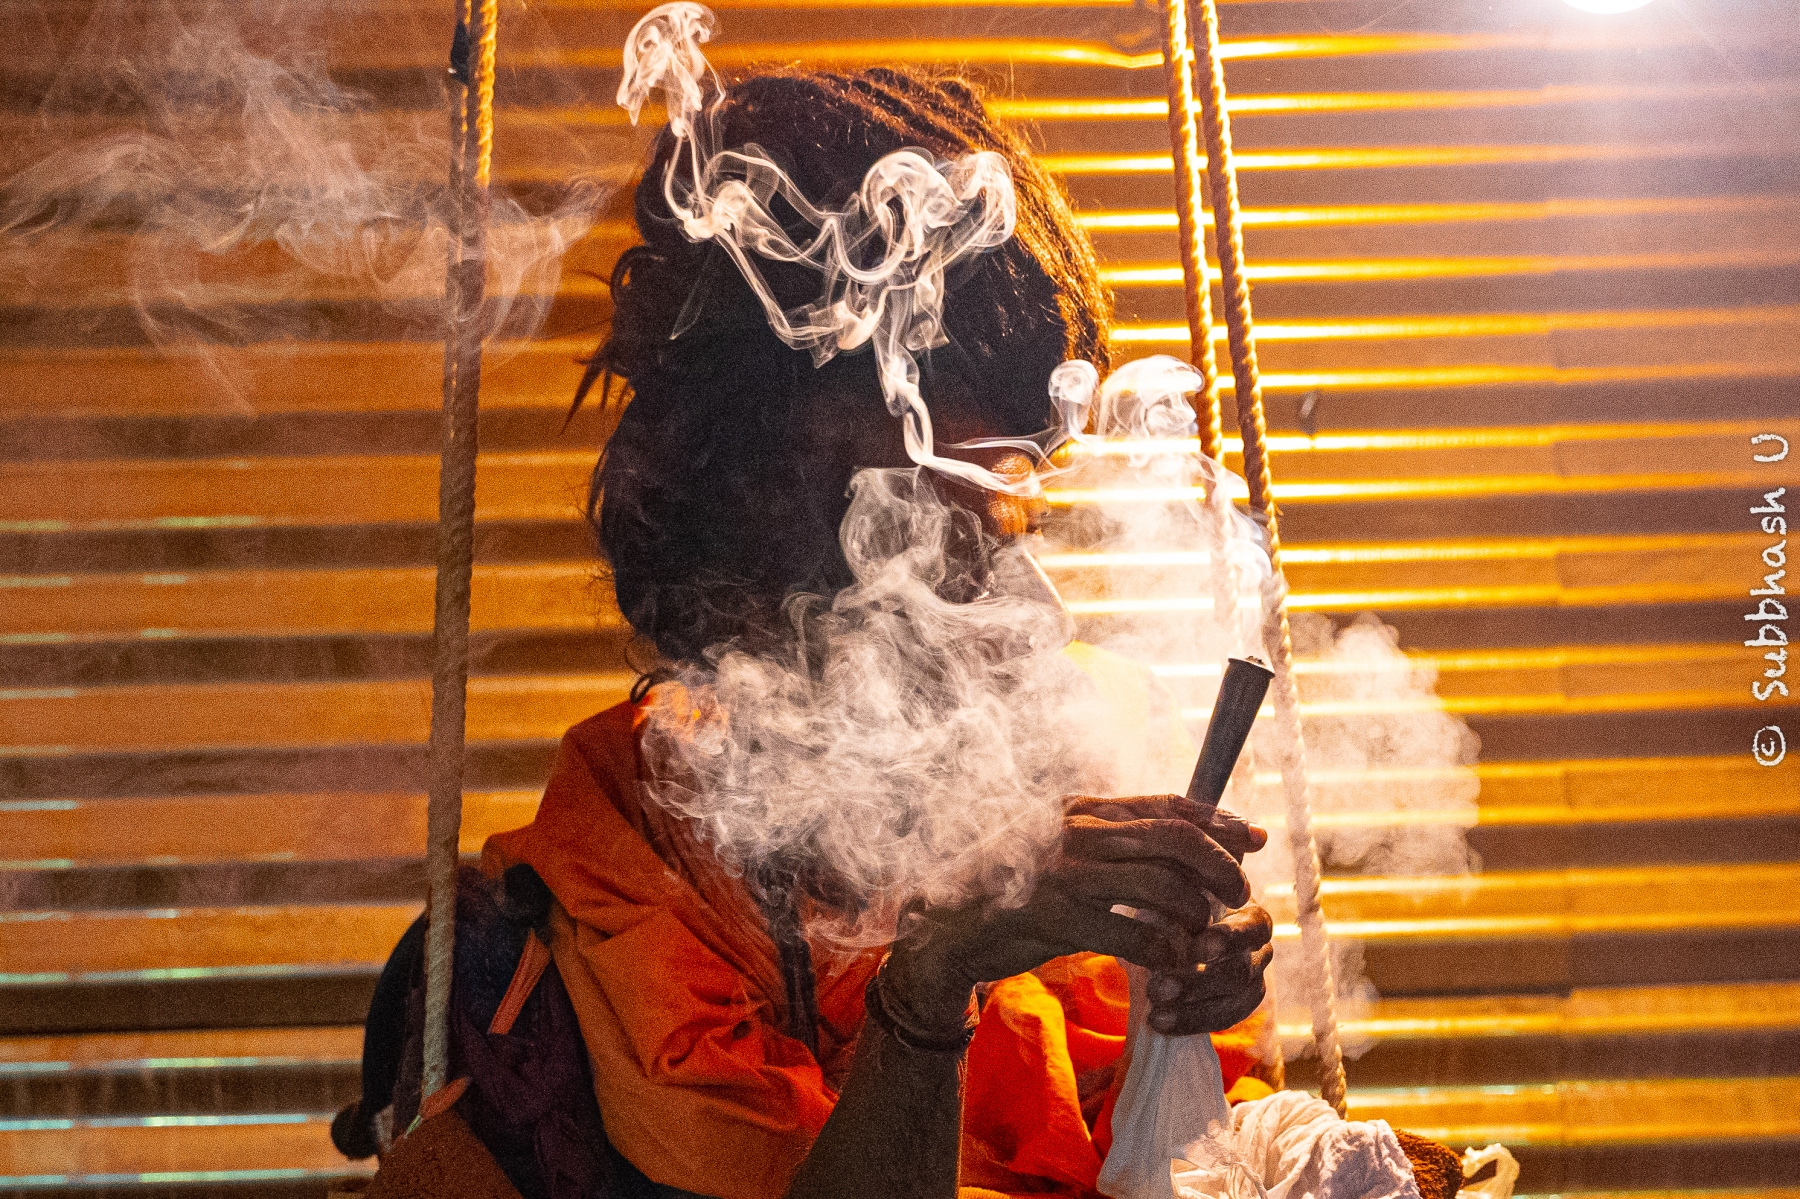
x=1223, y=983
x=1161, y=855
x=1220, y=980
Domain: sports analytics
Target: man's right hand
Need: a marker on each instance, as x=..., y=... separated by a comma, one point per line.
x=1158, y=854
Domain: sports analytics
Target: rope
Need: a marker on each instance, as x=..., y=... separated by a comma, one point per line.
x=484, y=92
x=472, y=112
x=1184, y=138
x=1222, y=184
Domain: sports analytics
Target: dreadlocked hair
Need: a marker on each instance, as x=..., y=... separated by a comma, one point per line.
x=720, y=492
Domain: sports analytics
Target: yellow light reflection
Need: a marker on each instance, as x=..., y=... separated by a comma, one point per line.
x=1555, y=657
x=1494, y=324
x=1543, y=704
x=1511, y=550
x=1515, y=549
x=1388, y=269
x=1350, y=158
x=1159, y=220
x=1514, y=437
x=1527, y=595
x=1101, y=109
x=1350, y=490
x=1481, y=375
x=1039, y=51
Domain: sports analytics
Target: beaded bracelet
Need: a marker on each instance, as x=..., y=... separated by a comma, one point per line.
x=875, y=1004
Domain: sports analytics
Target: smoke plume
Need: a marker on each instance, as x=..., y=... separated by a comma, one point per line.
x=208, y=174
x=881, y=259
x=916, y=739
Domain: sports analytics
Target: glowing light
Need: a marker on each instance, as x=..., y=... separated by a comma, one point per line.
x=1606, y=7
x=1153, y=220
x=1478, y=375
x=1099, y=109
x=1347, y=270
x=1374, y=157
x=1485, y=324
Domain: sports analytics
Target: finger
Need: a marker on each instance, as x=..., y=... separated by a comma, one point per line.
x=1174, y=988
x=1158, y=886
x=1212, y=1015
x=1134, y=807
x=1082, y=927
x=1190, y=984
x=1238, y=932
x=1237, y=835
x=1176, y=841
x=1220, y=996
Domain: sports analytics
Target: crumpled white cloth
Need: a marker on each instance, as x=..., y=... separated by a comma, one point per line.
x=1174, y=1136
x=1292, y=1146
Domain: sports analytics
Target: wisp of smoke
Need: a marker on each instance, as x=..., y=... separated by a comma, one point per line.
x=881, y=259
x=222, y=184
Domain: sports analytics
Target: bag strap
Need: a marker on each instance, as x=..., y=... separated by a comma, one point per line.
x=532, y=963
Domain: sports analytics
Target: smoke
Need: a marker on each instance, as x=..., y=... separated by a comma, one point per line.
x=915, y=742
x=881, y=259
x=1168, y=573
x=205, y=174
x=915, y=738
x=1393, y=786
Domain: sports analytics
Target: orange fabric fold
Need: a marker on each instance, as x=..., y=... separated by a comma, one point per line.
x=675, y=981
x=678, y=990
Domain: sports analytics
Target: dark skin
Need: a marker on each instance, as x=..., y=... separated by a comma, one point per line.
x=896, y=1126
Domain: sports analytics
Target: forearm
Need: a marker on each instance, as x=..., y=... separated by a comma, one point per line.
x=895, y=1129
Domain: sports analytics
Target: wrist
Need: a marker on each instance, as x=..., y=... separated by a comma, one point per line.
x=911, y=1036
x=923, y=992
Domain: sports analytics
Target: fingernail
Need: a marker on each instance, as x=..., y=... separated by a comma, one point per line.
x=1162, y=1021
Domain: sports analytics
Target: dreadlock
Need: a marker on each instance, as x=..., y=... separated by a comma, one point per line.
x=721, y=490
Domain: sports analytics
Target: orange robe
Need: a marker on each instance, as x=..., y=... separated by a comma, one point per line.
x=678, y=990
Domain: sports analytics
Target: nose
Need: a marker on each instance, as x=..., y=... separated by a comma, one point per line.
x=1009, y=516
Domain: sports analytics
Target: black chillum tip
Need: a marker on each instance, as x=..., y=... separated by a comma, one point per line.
x=1240, y=697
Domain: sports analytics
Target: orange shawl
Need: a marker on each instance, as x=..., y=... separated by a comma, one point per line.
x=679, y=994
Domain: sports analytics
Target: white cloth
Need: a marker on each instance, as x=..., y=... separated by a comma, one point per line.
x=1292, y=1146
x=1173, y=1093
x=1175, y=1137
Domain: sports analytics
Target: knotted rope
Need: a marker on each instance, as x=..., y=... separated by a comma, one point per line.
x=471, y=160
x=1201, y=38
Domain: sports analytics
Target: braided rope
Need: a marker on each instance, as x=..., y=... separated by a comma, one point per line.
x=484, y=91
x=1222, y=184
x=1184, y=139
x=471, y=148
